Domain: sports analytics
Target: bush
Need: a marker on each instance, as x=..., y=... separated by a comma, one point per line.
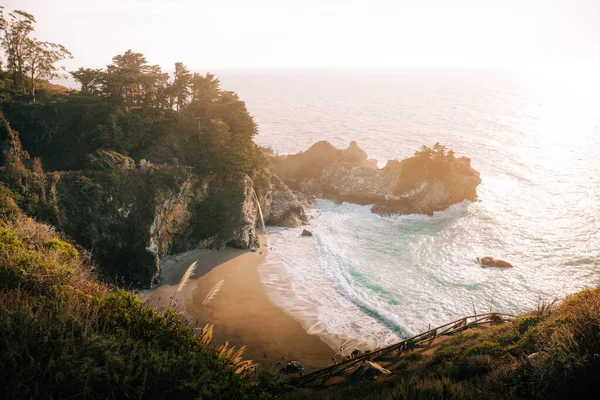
x=8, y=206
x=103, y=159
x=525, y=323
x=65, y=250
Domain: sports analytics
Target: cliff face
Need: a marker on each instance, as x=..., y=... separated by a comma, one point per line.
x=419, y=185
x=133, y=217
x=282, y=207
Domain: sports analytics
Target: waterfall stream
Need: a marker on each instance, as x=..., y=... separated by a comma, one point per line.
x=262, y=219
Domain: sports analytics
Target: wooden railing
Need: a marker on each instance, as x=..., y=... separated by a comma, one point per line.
x=450, y=328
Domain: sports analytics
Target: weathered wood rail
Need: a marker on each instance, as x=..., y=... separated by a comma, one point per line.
x=450, y=328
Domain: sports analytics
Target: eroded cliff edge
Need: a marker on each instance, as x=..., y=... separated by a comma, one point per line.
x=432, y=180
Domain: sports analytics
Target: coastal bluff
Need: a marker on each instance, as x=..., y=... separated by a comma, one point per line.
x=432, y=180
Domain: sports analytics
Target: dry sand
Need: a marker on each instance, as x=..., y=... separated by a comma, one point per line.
x=241, y=311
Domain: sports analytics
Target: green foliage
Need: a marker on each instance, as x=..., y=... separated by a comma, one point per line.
x=30, y=269
x=428, y=163
x=219, y=215
x=111, y=212
x=102, y=159
x=8, y=207
x=485, y=347
x=65, y=250
x=9, y=239
x=525, y=323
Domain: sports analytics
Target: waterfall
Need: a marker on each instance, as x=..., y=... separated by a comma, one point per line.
x=262, y=219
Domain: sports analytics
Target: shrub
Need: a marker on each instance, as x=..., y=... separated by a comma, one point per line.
x=525, y=323
x=65, y=250
x=104, y=159
x=8, y=206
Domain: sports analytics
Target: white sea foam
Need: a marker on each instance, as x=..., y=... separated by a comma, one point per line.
x=304, y=290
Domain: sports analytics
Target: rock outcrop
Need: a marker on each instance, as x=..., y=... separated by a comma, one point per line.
x=282, y=207
x=430, y=181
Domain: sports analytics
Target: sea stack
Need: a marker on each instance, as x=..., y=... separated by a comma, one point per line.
x=431, y=180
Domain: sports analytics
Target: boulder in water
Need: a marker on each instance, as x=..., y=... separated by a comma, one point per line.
x=492, y=262
x=370, y=370
x=306, y=232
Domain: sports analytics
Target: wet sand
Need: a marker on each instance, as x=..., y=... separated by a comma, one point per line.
x=241, y=312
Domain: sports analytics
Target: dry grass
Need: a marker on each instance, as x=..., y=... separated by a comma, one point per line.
x=184, y=279
x=213, y=292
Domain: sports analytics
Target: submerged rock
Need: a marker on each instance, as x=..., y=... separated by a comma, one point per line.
x=492, y=262
x=370, y=371
x=306, y=232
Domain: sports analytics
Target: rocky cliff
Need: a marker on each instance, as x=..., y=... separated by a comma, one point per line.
x=430, y=181
x=132, y=217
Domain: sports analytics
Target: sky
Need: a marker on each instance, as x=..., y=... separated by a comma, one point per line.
x=243, y=34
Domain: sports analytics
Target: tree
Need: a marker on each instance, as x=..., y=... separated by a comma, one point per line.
x=28, y=58
x=181, y=85
x=2, y=20
x=230, y=109
x=91, y=80
x=154, y=84
x=134, y=83
x=124, y=78
x=40, y=59
x=16, y=32
x=205, y=91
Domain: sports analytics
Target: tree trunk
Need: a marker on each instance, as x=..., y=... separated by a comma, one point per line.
x=32, y=85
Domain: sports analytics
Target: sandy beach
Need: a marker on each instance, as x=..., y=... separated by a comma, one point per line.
x=241, y=312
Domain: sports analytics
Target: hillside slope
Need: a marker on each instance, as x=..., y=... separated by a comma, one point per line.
x=65, y=335
x=550, y=353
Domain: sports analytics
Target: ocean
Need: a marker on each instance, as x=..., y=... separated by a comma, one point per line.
x=533, y=135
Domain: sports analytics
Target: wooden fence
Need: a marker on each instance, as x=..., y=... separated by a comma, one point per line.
x=450, y=328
